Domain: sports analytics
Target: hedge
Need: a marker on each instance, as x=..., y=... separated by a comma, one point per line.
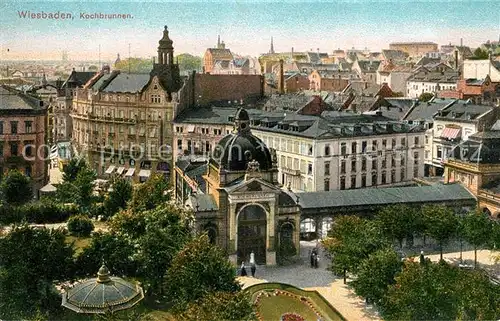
x=37, y=212
x=80, y=225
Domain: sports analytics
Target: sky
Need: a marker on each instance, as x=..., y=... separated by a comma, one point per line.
x=245, y=26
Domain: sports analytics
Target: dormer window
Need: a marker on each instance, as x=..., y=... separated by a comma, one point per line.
x=155, y=87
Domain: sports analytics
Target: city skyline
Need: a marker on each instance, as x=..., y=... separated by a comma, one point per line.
x=246, y=27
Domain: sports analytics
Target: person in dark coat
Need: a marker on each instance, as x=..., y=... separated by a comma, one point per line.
x=252, y=269
x=243, y=269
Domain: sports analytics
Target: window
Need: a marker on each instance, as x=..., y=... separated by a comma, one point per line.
x=1, y=127
x=342, y=167
x=363, y=180
x=13, y=149
x=415, y=172
x=374, y=179
x=416, y=141
x=342, y=183
x=143, y=115
x=374, y=164
x=426, y=139
x=384, y=179
x=393, y=176
x=327, y=185
x=28, y=148
x=327, y=150
x=363, y=146
x=309, y=149
x=374, y=145
x=402, y=160
x=343, y=149
x=384, y=163
x=393, y=143
x=363, y=164
x=327, y=168
x=121, y=128
x=207, y=147
x=13, y=127
x=27, y=171
x=28, y=127
x=439, y=152
x=403, y=142
x=402, y=174
x=415, y=158
x=353, y=165
x=354, y=147
x=131, y=130
x=353, y=181
x=384, y=143
x=309, y=169
x=189, y=145
x=155, y=99
x=1, y=150
x=426, y=154
x=179, y=144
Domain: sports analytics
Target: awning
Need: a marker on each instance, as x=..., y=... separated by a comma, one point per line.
x=190, y=128
x=451, y=132
x=144, y=173
x=48, y=188
x=120, y=170
x=130, y=172
x=110, y=169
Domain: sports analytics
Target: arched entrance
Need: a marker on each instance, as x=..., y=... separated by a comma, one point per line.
x=252, y=234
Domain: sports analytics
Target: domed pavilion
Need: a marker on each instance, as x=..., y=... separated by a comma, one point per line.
x=245, y=209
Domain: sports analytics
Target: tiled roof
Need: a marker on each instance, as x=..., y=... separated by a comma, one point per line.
x=129, y=83
x=368, y=65
x=437, y=193
x=11, y=99
x=220, y=53
x=79, y=78
x=425, y=111
x=446, y=77
x=203, y=202
x=394, y=55
x=463, y=111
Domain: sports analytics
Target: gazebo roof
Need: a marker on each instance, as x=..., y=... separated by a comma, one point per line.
x=102, y=294
x=48, y=188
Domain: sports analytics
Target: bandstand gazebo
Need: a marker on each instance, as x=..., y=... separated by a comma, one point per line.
x=104, y=294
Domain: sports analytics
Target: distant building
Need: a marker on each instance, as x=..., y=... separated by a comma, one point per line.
x=479, y=69
x=414, y=49
x=220, y=61
x=23, y=123
x=424, y=81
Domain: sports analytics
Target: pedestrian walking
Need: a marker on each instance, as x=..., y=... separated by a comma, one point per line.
x=243, y=270
x=253, y=266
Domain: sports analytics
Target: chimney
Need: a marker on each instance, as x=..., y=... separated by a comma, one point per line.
x=456, y=59
x=461, y=42
x=281, y=81
x=292, y=55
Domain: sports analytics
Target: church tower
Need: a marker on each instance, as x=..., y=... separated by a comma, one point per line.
x=271, y=50
x=166, y=69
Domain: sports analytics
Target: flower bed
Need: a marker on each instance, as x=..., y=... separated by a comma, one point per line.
x=292, y=317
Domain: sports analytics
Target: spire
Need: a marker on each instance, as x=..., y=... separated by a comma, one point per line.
x=218, y=41
x=165, y=49
x=272, y=46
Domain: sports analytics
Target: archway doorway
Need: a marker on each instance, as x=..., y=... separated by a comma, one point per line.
x=252, y=234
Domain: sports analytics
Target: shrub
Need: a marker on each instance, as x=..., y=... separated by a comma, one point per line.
x=45, y=212
x=80, y=225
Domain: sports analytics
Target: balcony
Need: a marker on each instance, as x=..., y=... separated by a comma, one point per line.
x=289, y=171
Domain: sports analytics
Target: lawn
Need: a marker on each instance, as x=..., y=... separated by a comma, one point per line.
x=273, y=307
x=80, y=243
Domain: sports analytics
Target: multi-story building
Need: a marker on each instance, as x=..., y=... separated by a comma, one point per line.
x=63, y=128
x=453, y=125
x=479, y=69
x=23, y=122
x=414, y=49
x=394, y=75
x=330, y=80
x=123, y=121
x=430, y=82
x=337, y=150
x=479, y=91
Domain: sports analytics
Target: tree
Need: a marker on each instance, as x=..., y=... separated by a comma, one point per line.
x=217, y=306
x=80, y=225
x=479, y=297
x=78, y=190
x=352, y=240
x=440, y=223
x=115, y=250
x=425, y=97
x=188, y=62
x=71, y=170
x=118, y=197
x=376, y=274
x=480, y=54
x=30, y=260
x=398, y=222
x=135, y=65
x=150, y=194
x=198, y=269
x=16, y=188
x=398, y=94
x=477, y=229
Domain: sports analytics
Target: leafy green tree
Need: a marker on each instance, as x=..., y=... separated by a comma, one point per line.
x=479, y=297
x=376, y=274
x=78, y=190
x=188, y=62
x=115, y=250
x=135, y=65
x=441, y=224
x=16, y=188
x=71, y=170
x=150, y=194
x=118, y=197
x=198, y=269
x=353, y=239
x=30, y=260
x=80, y=225
x=398, y=222
x=477, y=229
x=480, y=54
x=425, y=97
x=217, y=306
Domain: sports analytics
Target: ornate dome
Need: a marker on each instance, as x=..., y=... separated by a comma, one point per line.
x=234, y=151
